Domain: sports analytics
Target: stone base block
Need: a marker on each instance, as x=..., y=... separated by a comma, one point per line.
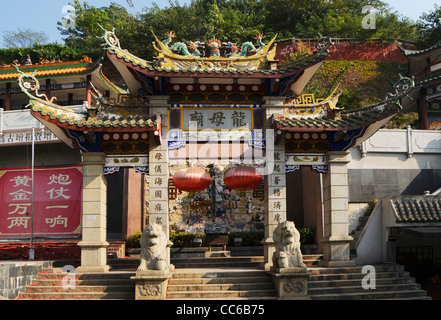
x=151, y=284
x=336, y=252
x=90, y=269
x=291, y=283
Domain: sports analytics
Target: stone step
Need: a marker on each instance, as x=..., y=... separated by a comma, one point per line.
x=355, y=269
x=212, y=262
x=71, y=287
x=355, y=276
x=77, y=296
x=220, y=287
x=221, y=284
x=219, y=274
x=222, y=280
x=392, y=282
x=359, y=289
x=89, y=282
x=249, y=294
x=49, y=285
x=312, y=284
x=382, y=295
x=85, y=276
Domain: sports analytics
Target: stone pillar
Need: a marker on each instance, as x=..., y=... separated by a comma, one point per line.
x=274, y=183
x=152, y=284
x=336, y=241
x=94, y=207
x=158, y=169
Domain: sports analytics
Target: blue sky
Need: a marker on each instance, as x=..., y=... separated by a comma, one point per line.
x=44, y=15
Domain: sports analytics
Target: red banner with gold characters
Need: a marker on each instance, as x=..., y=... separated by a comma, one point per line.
x=56, y=202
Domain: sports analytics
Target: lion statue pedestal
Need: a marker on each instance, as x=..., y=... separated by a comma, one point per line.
x=288, y=271
x=154, y=269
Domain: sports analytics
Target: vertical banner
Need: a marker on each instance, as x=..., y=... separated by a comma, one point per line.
x=56, y=202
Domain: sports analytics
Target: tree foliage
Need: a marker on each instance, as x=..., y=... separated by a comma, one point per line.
x=23, y=38
x=227, y=20
x=429, y=27
x=233, y=20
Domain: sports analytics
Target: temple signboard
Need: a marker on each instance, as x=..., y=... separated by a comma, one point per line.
x=213, y=123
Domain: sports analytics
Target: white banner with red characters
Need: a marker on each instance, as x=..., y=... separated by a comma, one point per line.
x=56, y=202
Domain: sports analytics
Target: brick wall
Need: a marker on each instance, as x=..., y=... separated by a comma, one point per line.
x=364, y=51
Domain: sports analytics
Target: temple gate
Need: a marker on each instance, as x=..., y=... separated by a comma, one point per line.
x=231, y=108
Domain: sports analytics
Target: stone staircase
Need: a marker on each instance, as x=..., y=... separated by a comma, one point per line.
x=221, y=284
x=88, y=286
x=225, y=278
x=392, y=282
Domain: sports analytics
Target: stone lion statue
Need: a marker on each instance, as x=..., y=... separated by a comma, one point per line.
x=287, y=243
x=153, y=248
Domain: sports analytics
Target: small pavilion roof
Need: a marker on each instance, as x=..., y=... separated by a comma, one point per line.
x=48, y=69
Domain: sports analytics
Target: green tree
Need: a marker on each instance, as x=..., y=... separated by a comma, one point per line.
x=429, y=27
x=87, y=32
x=334, y=18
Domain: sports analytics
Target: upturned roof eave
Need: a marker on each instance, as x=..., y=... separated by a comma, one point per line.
x=80, y=122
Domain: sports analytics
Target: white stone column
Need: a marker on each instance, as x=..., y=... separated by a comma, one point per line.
x=94, y=215
x=274, y=182
x=336, y=241
x=158, y=169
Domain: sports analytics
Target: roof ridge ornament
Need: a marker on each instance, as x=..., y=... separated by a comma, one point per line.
x=402, y=87
x=323, y=44
x=110, y=38
x=28, y=82
x=181, y=56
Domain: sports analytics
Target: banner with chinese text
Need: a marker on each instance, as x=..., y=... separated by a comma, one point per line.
x=56, y=202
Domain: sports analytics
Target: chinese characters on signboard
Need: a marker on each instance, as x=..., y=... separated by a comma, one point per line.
x=217, y=119
x=57, y=202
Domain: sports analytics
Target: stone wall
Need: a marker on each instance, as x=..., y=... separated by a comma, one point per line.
x=395, y=162
x=15, y=276
x=368, y=184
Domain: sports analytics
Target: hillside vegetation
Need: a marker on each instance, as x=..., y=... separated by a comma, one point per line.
x=362, y=83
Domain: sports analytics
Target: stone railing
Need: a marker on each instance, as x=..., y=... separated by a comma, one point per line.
x=408, y=141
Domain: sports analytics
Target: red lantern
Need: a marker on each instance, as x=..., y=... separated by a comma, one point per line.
x=242, y=178
x=192, y=179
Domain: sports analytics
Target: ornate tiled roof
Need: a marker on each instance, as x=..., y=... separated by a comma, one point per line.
x=417, y=209
x=258, y=65
x=348, y=120
x=50, y=69
x=68, y=118
x=333, y=119
x=80, y=121
x=431, y=77
x=412, y=52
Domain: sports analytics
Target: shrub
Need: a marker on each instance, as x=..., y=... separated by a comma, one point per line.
x=184, y=239
x=307, y=235
x=133, y=240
